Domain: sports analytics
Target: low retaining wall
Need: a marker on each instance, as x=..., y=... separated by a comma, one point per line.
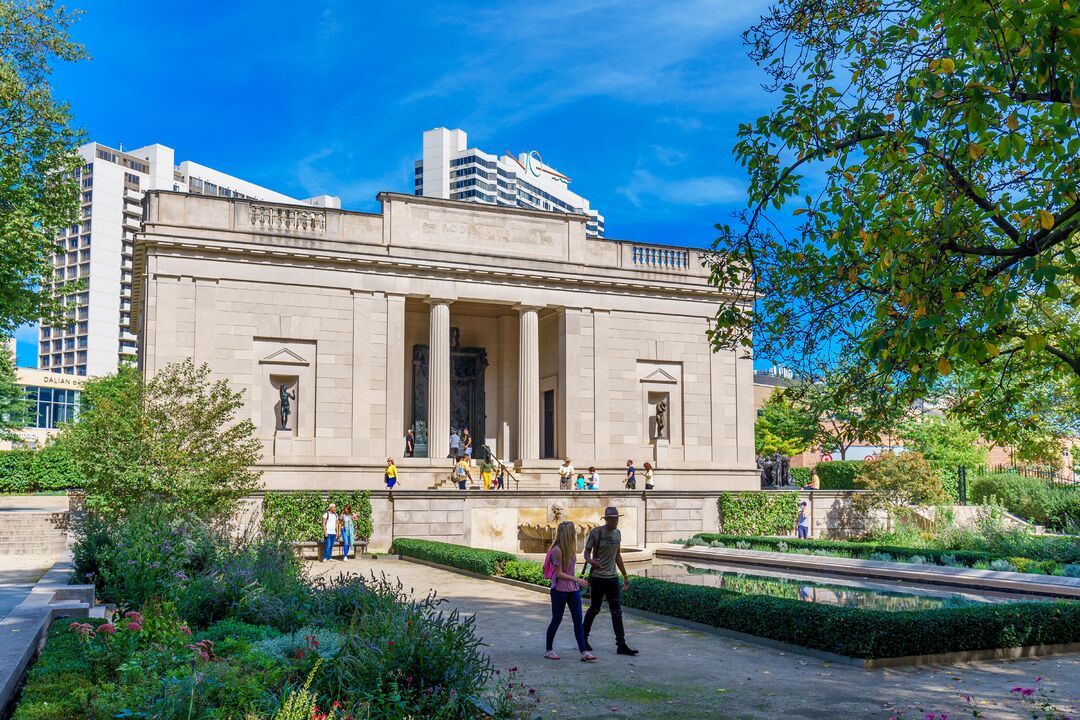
x=491, y=519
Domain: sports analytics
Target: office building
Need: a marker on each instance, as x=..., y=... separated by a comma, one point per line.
x=98, y=249
x=452, y=170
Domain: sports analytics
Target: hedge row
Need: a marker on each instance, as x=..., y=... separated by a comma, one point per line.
x=853, y=632
x=1032, y=498
x=48, y=469
x=297, y=516
x=838, y=474
x=758, y=513
x=482, y=562
x=867, y=634
x=967, y=558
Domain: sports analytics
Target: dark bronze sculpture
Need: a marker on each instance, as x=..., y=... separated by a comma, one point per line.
x=661, y=413
x=284, y=410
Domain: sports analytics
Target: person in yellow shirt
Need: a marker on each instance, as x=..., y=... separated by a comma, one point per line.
x=391, y=474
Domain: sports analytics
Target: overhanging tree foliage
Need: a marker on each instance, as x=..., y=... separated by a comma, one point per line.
x=14, y=407
x=784, y=426
x=929, y=152
x=39, y=194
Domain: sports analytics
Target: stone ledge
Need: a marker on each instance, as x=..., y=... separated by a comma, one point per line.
x=22, y=632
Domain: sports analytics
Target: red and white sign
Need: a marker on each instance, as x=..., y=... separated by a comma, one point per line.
x=826, y=457
x=870, y=458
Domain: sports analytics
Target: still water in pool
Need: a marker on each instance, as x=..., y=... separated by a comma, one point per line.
x=866, y=595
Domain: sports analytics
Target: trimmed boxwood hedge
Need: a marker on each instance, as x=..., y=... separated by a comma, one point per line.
x=847, y=548
x=482, y=562
x=48, y=469
x=757, y=513
x=866, y=634
x=838, y=474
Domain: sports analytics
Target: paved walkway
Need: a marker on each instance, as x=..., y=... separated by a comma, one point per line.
x=686, y=674
x=18, y=573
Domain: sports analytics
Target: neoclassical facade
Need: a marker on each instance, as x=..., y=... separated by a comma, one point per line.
x=344, y=330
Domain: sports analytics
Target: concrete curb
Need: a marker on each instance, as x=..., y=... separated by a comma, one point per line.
x=22, y=632
x=948, y=658
x=1026, y=583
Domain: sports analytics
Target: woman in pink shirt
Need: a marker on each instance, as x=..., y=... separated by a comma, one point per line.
x=566, y=589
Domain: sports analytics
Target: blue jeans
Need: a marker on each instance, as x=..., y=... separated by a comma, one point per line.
x=346, y=543
x=328, y=550
x=559, y=600
x=803, y=531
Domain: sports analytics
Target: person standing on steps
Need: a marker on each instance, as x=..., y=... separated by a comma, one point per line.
x=631, y=476
x=565, y=589
x=455, y=443
x=461, y=472
x=602, y=555
x=566, y=475
x=390, y=477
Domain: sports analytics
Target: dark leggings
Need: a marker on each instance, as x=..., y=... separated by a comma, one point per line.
x=559, y=600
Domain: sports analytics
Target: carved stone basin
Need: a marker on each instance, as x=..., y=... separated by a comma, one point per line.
x=537, y=537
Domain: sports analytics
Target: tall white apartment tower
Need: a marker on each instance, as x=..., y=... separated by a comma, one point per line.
x=451, y=169
x=98, y=249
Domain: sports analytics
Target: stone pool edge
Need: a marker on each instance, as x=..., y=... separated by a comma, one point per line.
x=947, y=658
x=1028, y=583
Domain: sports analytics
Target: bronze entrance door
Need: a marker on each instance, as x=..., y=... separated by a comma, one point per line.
x=467, y=366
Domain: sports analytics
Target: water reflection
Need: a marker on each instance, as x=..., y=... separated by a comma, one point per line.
x=800, y=588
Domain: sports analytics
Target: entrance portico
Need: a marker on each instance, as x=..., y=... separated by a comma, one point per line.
x=543, y=342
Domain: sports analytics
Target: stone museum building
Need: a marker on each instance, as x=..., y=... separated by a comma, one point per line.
x=344, y=331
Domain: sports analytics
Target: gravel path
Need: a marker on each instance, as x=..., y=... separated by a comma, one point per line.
x=687, y=674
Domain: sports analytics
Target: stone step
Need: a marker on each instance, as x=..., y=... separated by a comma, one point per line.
x=32, y=548
x=32, y=536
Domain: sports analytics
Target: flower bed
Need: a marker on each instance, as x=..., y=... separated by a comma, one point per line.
x=213, y=628
x=853, y=632
x=878, y=551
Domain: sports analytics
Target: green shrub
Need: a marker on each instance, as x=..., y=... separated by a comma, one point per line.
x=839, y=474
x=760, y=512
x=482, y=562
x=862, y=633
x=1033, y=499
x=525, y=571
x=360, y=501
x=47, y=469
x=802, y=476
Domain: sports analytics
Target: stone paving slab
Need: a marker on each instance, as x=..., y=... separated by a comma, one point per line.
x=682, y=673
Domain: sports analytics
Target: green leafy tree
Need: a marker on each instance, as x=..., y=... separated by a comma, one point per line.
x=14, y=407
x=912, y=194
x=39, y=193
x=946, y=443
x=898, y=483
x=175, y=439
x=850, y=406
x=783, y=426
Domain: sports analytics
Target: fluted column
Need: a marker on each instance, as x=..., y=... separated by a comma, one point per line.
x=528, y=384
x=438, y=418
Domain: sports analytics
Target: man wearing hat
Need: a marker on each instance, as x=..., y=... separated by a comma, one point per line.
x=603, y=557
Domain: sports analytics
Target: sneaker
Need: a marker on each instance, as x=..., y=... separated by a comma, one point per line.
x=588, y=657
x=626, y=650
x=550, y=655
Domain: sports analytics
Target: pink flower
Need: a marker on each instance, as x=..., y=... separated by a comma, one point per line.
x=134, y=627
x=185, y=629
x=1026, y=692
x=136, y=616
x=106, y=629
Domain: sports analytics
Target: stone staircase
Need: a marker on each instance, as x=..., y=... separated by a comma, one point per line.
x=33, y=532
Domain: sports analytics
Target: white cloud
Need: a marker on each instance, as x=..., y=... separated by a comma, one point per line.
x=322, y=172
x=668, y=155
x=705, y=190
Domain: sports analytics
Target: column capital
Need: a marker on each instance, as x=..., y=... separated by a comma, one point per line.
x=522, y=308
x=432, y=300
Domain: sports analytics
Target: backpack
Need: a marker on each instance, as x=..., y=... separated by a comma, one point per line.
x=549, y=566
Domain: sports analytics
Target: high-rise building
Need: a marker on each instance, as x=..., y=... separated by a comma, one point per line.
x=451, y=169
x=98, y=249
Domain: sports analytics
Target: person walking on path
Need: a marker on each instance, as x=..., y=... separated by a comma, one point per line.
x=565, y=589
x=602, y=556
x=461, y=472
x=347, y=528
x=566, y=475
x=487, y=470
x=802, y=522
x=391, y=474
x=329, y=528
x=648, y=476
x=631, y=476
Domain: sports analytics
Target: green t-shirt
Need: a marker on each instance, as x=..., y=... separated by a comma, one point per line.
x=603, y=545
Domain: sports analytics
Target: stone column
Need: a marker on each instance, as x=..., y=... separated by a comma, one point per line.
x=438, y=418
x=528, y=384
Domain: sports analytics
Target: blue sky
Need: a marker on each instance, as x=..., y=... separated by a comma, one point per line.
x=638, y=102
